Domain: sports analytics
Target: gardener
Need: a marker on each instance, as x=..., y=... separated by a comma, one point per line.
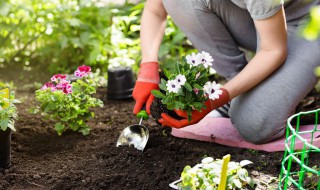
x=264, y=91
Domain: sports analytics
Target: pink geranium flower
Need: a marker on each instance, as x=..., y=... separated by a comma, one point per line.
x=58, y=77
x=64, y=86
x=67, y=89
x=48, y=85
x=82, y=71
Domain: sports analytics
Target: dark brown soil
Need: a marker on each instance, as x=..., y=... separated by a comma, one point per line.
x=43, y=160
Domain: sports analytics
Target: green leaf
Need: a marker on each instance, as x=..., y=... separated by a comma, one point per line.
x=157, y=94
x=162, y=85
x=178, y=105
x=178, y=37
x=198, y=105
x=4, y=8
x=166, y=73
x=187, y=86
x=10, y=125
x=59, y=128
x=85, y=131
x=197, y=86
x=237, y=183
x=74, y=22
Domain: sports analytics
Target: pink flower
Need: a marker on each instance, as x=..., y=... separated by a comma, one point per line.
x=67, y=89
x=82, y=71
x=48, y=85
x=64, y=86
x=58, y=77
x=84, y=68
x=195, y=90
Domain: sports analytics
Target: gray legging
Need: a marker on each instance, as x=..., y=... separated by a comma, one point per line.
x=220, y=28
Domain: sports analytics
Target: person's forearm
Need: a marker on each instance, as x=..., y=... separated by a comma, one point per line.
x=272, y=54
x=153, y=24
x=260, y=67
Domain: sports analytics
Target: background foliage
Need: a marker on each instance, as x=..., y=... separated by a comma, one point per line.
x=60, y=35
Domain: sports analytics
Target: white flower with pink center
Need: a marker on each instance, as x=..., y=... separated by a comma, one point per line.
x=212, y=89
x=173, y=86
x=206, y=59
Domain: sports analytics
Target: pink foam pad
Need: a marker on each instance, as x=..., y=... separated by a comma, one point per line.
x=221, y=131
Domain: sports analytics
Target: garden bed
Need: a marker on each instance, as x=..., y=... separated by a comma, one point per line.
x=43, y=160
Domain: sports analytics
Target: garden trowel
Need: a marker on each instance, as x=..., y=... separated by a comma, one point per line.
x=136, y=135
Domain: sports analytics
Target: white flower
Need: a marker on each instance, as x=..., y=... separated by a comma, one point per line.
x=181, y=79
x=173, y=86
x=206, y=59
x=212, y=89
x=193, y=59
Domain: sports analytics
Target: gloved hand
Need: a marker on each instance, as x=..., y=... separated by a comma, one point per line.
x=166, y=120
x=148, y=80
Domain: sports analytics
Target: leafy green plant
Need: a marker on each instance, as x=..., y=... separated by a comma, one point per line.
x=68, y=104
x=187, y=87
x=38, y=34
x=312, y=30
x=8, y=111
x=207, y=175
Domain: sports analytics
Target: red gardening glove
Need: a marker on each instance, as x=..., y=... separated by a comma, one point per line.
x=148, y=80
x=196, y=116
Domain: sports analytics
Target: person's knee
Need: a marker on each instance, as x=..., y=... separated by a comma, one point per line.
x=258, y=128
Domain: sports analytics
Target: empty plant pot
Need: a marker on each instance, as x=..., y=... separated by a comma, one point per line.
x=120, y=83
x=5, y=148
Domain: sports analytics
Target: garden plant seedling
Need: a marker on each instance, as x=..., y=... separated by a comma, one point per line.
x=136, y=135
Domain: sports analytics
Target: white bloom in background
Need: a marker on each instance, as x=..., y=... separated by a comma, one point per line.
x=212, y=89
x=193, y=59
x=120, y=61
x=206, y=59
x=173, y=86
x=181, y=79
x=212, y=71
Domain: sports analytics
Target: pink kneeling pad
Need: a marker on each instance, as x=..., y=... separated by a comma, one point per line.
x=221, y=131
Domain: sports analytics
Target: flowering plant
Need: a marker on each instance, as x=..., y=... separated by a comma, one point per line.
x=8, y=111
x=68, y=104
x=188, y=86
x=206, y=175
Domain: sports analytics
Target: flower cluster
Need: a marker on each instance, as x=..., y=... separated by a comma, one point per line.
x=68, y=103
x=60, y=82
x=187, y=87
x=8, y=110
x=206, y=175
x=82, y=71
x=202, y=58
x=175, y=85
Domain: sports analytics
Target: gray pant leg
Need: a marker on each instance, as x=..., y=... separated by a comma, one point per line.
x=218, y=27
x=260, y=114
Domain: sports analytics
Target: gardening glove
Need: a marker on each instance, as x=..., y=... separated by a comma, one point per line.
x=196, y=116
x=148, y=80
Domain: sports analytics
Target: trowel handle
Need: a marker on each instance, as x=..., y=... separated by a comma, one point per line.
x=143, y=113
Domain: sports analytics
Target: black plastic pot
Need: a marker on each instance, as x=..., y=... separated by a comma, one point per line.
x=5, y=148
x=120, y=83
